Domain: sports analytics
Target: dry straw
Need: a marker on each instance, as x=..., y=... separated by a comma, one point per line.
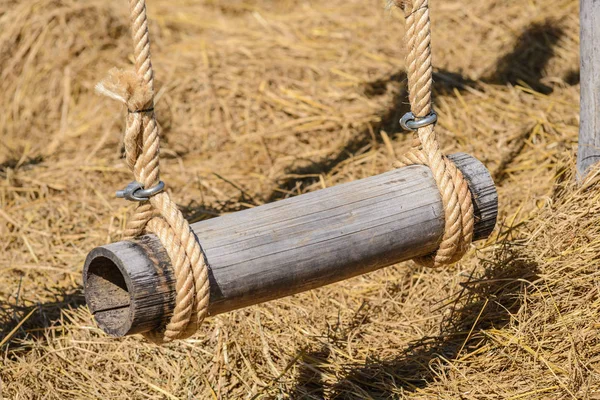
x=271, y=99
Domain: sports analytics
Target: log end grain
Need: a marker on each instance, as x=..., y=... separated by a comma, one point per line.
x=129, y=287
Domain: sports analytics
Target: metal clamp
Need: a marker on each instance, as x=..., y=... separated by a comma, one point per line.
x=411, y=123
x=135, y=191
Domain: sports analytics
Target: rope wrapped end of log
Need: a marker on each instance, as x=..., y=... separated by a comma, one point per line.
x=456, y=197
x=157, y=213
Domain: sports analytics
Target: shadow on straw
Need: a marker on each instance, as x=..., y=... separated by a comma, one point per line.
x=524, y=65
x=309, y=382
x=19, y=322
x=486, y=301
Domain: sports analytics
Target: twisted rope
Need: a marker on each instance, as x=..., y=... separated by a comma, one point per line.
x=159, y=214
x=456, y=197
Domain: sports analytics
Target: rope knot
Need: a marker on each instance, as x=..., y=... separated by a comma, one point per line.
x=128, y=88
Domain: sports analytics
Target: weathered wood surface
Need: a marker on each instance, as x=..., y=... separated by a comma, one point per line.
x=483, y=193
x=287, y=247
x=130, y=286
x=589, y=129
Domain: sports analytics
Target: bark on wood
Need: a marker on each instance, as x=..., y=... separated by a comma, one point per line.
x=589, y=129
x=285, y=247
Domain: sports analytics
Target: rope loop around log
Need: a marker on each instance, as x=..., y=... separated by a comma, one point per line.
x=157, y=213
x=456, y=197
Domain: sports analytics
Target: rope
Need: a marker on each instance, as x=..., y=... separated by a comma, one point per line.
x=456, y=197
x=158, y=215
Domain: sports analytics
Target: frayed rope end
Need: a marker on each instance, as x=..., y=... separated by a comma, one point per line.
x=401, y=4
x=126, y=87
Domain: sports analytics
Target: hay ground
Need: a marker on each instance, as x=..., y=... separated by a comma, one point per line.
x=260, y=100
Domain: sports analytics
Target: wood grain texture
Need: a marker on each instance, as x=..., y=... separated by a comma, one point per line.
x=129, y=286
x=312, y=240
x=588, y=152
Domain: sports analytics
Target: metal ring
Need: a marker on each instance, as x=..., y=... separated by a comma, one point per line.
x=152, y=191
x=410, y=123
x=135, y=191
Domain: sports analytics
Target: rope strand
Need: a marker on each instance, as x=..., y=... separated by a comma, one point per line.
x=159, y=214
x=456, y=197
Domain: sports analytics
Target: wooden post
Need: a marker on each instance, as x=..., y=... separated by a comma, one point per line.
x=589, y=128
x=285, y=247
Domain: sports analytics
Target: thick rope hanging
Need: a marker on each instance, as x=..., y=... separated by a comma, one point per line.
x=456, y=197
x=156, y=212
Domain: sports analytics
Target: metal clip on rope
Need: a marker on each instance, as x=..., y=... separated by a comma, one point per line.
x=411, y=123
x=135, y=191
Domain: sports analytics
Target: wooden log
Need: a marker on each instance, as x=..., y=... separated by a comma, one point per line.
x=588, y=152
x=285, y=247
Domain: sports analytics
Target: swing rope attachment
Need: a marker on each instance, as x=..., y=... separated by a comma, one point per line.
x=456, y=197
x=156, y=212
